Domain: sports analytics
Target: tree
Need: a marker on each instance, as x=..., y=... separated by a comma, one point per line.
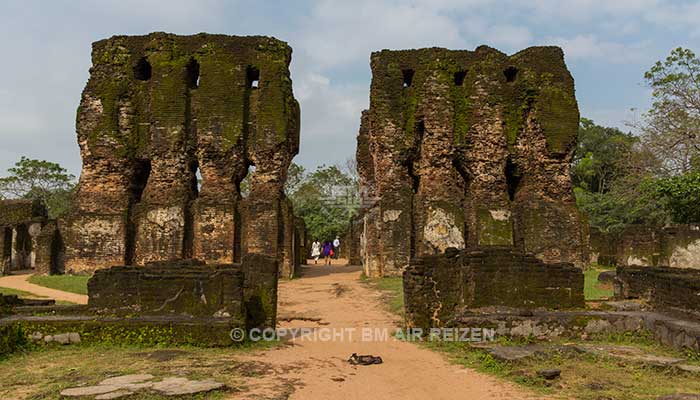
x=326, y=199
x=38, y=179
x=600, y=154
x=680, y=195
x=671, y=128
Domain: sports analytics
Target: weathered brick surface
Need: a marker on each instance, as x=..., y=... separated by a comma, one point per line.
x=667, y=289
x=468, y=149
x=156, y=110
x=677, y=246
x=185, y=289
x=438, y=287
x=28, y=239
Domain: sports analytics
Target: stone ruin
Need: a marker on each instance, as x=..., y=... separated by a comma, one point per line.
x=28, y=238
x=159, y=112
x=468, y=149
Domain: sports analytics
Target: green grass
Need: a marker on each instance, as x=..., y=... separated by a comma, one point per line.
x=19, y=293
x=43, y=372
x=594, y=290
x=67, y=283
x=584, y=376
x=392, y=289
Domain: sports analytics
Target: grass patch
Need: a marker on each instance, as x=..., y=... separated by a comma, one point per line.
x=583, y=376
x=392, y=290
x=68, y=283
x=19, y=293
x=44, y=372
x=594, y=290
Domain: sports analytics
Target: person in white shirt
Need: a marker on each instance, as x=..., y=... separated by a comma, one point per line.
x=316, y=251
x=336, y=247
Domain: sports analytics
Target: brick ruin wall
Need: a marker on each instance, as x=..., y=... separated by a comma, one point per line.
x=675, y=246
x=467, y=149
x=674, y=290
x=157, y=111
x=439, y=288
x=28, y=238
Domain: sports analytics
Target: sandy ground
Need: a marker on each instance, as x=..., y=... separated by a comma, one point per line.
x=332, y=298
x=19, y=282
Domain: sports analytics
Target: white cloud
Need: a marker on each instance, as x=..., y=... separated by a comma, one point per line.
x=590, y=48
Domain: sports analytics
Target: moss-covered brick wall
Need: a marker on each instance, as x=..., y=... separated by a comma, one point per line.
x=439, y=288
x=465, y=149
x=158, y=111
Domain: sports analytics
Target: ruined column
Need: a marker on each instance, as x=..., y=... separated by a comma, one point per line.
x=469, y=149
x=159, y=112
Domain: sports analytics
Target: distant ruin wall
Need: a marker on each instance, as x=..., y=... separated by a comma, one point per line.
x=157, y=112
x=28, y=238
x=667, y=289
x=676, y=246
x=468, y=149
x=440, y=287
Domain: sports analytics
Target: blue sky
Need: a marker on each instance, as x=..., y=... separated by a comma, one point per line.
x=608, y=46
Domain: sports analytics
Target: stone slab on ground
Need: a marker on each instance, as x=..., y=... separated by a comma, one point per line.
x=126, y=385
x=633, y=354
x=680, y=396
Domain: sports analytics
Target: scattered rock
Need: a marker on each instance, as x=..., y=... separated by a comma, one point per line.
x=597, y=326
x=632, y=354
x=549, y=374
x=114, y=395
x=127, y=385
x=625, y=305
x=182, y=386
x=689, y=368
x=61, y=338
x=338, y=379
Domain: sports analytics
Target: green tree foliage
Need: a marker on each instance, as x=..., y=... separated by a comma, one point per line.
x=38, y=179
x=680, y=195
x=326, y=199
x=600, y=155
x=671, y=128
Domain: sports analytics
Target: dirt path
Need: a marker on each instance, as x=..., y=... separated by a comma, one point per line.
x=19, y=282
x=333, y=297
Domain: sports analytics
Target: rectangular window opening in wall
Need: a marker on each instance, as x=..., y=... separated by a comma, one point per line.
x=253, y=77
x=459, y=77
x=407, y=77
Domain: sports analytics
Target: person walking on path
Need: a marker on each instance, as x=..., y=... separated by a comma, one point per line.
x=327, y=251
x=336, y=247
x=316, y=251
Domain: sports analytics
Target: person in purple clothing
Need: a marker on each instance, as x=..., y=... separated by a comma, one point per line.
x=327, y=252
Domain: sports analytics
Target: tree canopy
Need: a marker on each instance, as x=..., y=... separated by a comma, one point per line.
x=39, y=179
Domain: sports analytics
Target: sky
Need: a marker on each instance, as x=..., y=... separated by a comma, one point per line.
x=608, y=46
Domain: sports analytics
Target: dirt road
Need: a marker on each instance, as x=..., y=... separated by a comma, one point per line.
x=332, y=300
x=19, y=282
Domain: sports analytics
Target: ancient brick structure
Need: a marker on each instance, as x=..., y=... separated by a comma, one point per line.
x=438, y=288
x=673, y=290
x=28, y=239
x=157, y=112
x=676, y=246
x=468, y=149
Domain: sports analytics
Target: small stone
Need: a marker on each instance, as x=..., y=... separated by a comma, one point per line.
x=89, y=390
x=181, y=386
x=48, y=339
x=62, y=338
x=689, y=368
x=74, y=337
x=514, y=353
x=36, y=336
x=597, y=326
x=114, y=395
x=549, y=374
